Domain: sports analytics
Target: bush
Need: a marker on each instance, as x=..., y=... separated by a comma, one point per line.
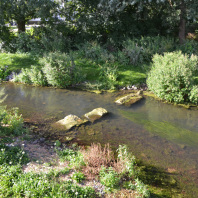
x=142, y=50
x=108, y=76
x=60, y=70
x=23, y=76
x=36, y=76
x=189, y=47
x=171, y=76
x=194, y=95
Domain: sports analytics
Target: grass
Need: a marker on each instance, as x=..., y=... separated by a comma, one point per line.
x=126, y=75
x=16, y=62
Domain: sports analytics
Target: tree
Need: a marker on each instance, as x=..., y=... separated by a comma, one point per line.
x=22, y=11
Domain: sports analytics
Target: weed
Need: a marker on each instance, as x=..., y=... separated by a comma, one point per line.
x=78, y=176
x=75, y=158
x=95, y=157
x=109, y=178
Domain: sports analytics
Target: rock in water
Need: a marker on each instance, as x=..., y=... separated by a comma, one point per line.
x=95, y=114
x=129, y=99
x=69, y=121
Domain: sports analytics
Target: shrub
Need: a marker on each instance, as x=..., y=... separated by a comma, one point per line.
x=36, y=76
x=57, y=69
x=189, y=47
x=142, y=50
x=171, y=76
x=60, y=70
x=125, y=161
x=108, y=76
x=142, y=188
x=91, y=50
x=23, y=76
x=95, y=157
x=194, y=95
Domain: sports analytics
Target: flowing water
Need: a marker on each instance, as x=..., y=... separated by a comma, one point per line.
x=163, y=135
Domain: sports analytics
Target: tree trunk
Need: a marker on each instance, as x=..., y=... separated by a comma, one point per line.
x=182, y=23
x=21, y=26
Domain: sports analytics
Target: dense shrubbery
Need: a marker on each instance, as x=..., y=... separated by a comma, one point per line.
x=58, y=70
x=171, y=77
x=142, y=50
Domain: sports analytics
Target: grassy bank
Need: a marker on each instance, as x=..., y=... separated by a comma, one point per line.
x=97, y=75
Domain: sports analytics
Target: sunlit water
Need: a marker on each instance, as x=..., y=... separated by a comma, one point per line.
x=160, y=134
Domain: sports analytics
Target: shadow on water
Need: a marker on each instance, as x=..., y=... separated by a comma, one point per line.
x=157, y=178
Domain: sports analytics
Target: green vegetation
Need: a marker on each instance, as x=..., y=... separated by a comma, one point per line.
x=11, y=121
x=171, y=77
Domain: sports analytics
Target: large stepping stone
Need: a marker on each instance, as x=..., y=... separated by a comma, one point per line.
x=69, y=121
x=129, y=99
x=95, y=114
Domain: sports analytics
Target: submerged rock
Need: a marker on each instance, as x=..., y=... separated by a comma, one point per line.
x=69, y=121
x=95, y=114
x=130, y=98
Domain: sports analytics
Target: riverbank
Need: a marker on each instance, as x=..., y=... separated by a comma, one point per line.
x=95, y=75
x=150, y=128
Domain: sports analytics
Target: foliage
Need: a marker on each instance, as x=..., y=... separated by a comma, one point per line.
x=126, y=162
x=189, y=47
x=109, y=178
x=11, y=122
x=142, y=50
x=22, y=11
x=171, y=76
x=60, y=70
x=194, y=95
x=23, y=76
x=108, y=76
x=75, y=158
x=37, y=77
x=16, y=184
x=142, y=188
x=25, y=43
x=3, y=72
x=78, y=176
x=10, y=155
